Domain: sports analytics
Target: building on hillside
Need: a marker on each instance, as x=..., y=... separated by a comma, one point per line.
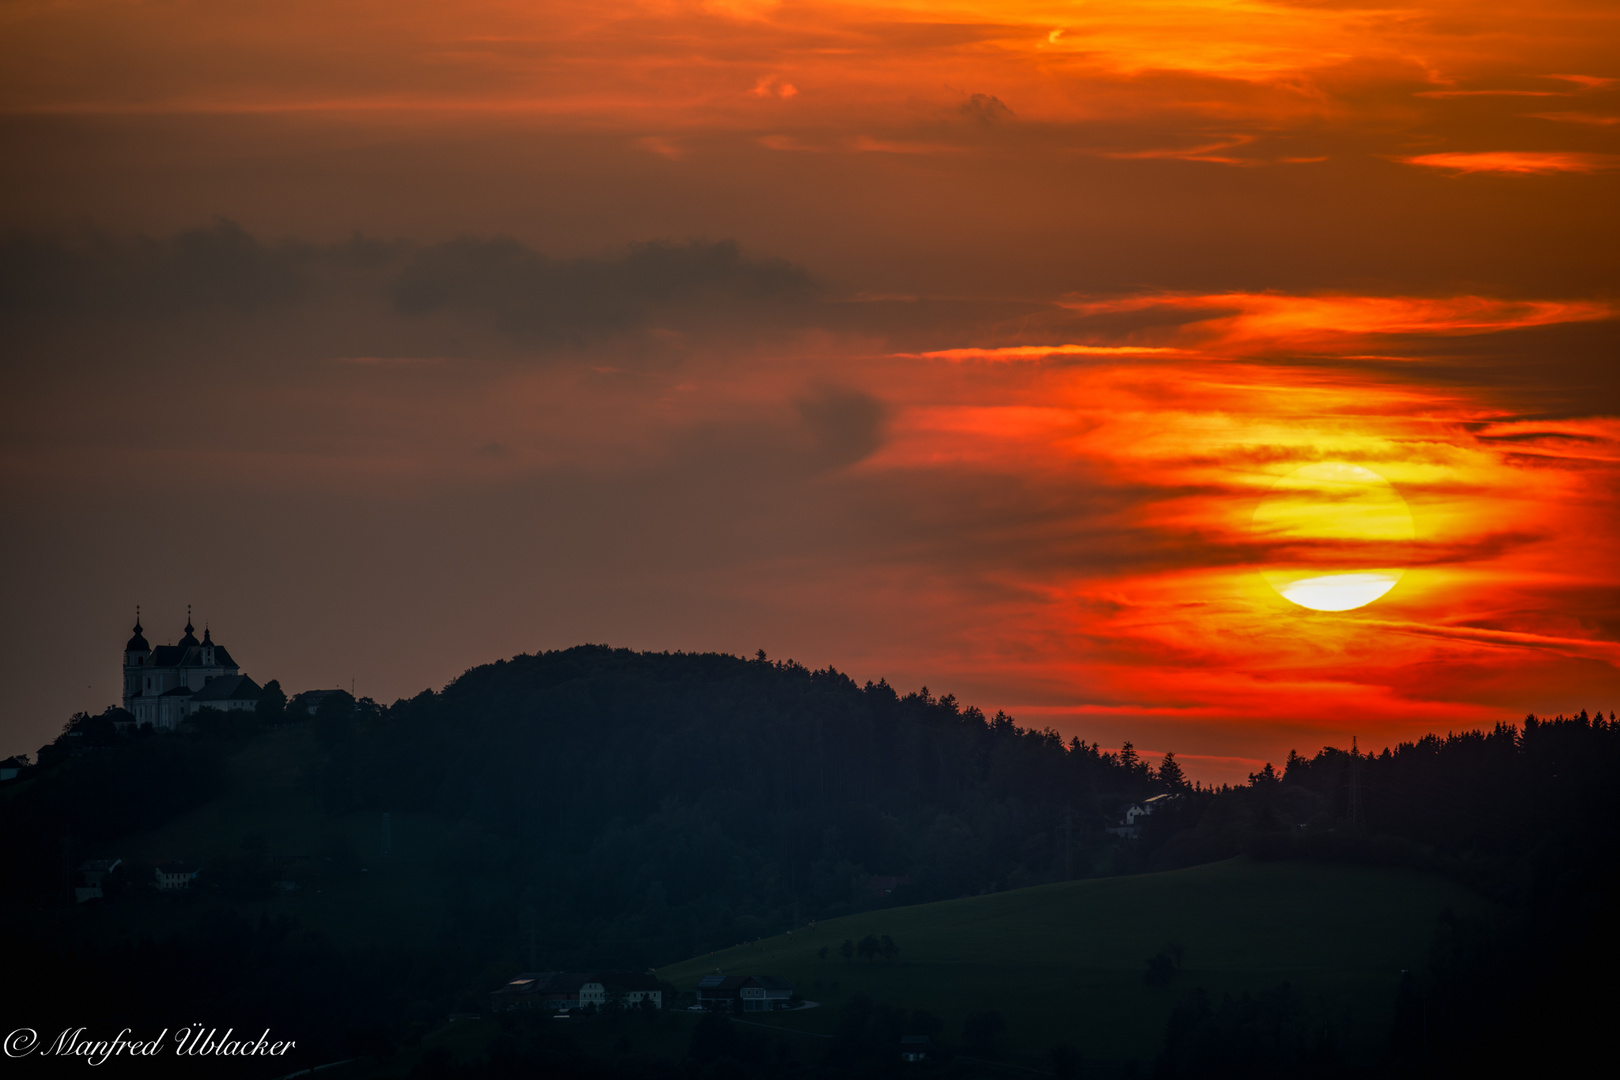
x=92, y=874
x=720, y=991
x=915, y=1047
x=229, y=693
x=755, y=993
x=310, y=701
x=95, y=871
x=563, y=991
x=542, y=990
x=1127, y=821
x=10, y=767
x=175, y=875
x=162, y=685
x=631, y=988
x=765, y=992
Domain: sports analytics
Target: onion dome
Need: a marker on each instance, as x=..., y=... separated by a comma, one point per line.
x=190, y=638
x=137, y=643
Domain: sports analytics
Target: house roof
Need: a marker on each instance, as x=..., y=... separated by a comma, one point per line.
x=547, y=982
x=527, y=983
x=229, y=688
x=737, y=982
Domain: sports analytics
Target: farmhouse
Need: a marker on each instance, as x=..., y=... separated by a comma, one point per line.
x=1127, y=821
x=915, y=1047
x=757, y=993
x=311, y=700
x=175, y=875
x=91, y=876
x=561, y=991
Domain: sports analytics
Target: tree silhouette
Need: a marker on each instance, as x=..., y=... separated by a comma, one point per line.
x=1170, y=774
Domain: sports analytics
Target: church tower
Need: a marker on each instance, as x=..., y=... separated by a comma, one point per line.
x=165, y=685
x=137, y=656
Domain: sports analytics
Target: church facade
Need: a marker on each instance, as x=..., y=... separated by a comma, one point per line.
x=166, y=684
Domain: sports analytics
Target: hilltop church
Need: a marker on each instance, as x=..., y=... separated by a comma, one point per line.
x=163, y=686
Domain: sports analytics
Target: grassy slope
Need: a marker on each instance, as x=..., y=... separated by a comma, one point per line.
x=1065, y=963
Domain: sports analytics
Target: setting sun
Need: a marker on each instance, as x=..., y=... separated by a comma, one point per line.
x=1326, y=515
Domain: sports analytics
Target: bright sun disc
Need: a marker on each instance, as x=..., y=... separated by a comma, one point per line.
x=1326, y=521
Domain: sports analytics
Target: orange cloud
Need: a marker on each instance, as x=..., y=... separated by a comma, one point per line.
x=1513, y=162
x=1578, y=118
x=1246, y=320
x=1275, y=64
x=1040, y=352
x=1588, y=82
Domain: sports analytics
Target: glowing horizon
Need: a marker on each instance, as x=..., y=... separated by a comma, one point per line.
x=960, y=344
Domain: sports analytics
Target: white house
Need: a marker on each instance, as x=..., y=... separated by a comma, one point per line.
x=758, y=993
x=175, y=875
x=92, y=874
x=561, y=991
x=1128, y=823
x=915, y=1047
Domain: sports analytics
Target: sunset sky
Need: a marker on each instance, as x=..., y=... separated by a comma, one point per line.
x=955, y=344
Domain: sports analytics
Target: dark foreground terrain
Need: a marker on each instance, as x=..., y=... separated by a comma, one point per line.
x=369, y=872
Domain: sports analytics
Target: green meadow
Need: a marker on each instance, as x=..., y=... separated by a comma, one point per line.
x=1066, y=963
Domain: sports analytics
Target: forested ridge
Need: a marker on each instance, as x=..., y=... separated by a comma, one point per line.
x=620, y=809
x=678, y=803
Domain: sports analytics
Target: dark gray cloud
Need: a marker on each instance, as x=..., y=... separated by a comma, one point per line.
x=536, y=298
x=495, y=285
x=218, y=266
x=985, y=109
x=847, y=425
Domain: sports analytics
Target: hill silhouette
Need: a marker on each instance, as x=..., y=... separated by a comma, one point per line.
x=594, y=808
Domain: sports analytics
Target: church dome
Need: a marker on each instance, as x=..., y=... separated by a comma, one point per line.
x=190, y=638
x=137, y=643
